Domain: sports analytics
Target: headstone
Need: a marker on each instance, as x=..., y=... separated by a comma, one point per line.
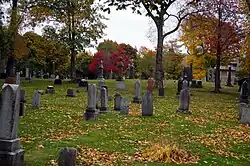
x=194, y=83
x=117, y=102
x=241, y=107
x=184, y=99
x=111, y=74
x=83, y=83
x=245, y=115
x=58, y=81
x=41, y=74
x=10, y=152
x=199, y=83
x=100, y=76
x=71, y=92
x=50, y=90
x=150, y=85
x=147, y=104
x=137, y=96
x=124, y=106
x=67, y=157
x=179, y=86
x=27, y=74
x=131, y=70
x=229, y=77
x=91, y=113
x=18, y=78
x=104, y=100
x=244, y=93
x=36, y=99
x=120, y=85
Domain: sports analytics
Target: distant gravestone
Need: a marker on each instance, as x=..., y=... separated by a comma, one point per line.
x=10, y=152
x=36, y=99
x=184, y=99
x=91, y=113
x=229, y=77
x=50, y=90
x=137, y=97
x=27, y=74
x=18, y=78
x=245, y=115
x=199, y=83
x=117, y=102
x=104, y=100
x=244, y=93
x=124, y=106
x=67, y=157
x=58, y=81
x=71, y=92
x=120, y=85
x=147, y=104
x=83, y=83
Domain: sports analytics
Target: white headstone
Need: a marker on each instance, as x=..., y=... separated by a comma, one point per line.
x=36, y=99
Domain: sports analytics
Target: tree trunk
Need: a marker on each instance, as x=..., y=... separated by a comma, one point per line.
x=13, y=28
x=159, y=66
x=217, y=75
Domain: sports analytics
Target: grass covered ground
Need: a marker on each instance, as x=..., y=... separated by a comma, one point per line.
x=212, y=135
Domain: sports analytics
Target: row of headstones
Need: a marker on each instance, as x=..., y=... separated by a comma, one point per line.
x=244, y=109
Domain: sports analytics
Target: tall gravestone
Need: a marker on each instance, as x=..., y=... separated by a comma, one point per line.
x=27, y=74
x=244, y=93
x=229, y=77
x=91, y=113
x=100, y=74
x=10, y=152
x=147, y=104
x=184, y=99
x=131, y=70
x=104, y=100
x=36, y=99
x=18, y=78
x=137, y=97
x=111, y=74
x=124, y=106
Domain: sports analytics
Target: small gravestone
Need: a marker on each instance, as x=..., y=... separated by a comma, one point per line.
x=67, y=157
x=124, y=106
x=199, y=83
x=91, y=113
x=244, y=93
x=120, y=85
x=50, y=90
x=18, y=78
x=137, y=97
x=194, y=84
x=147, y=104
x=71, y=92
x=58, y=81
x=179, y=86
x=10, y=152
x=36, y=99
x=104, y=100
x=117, y=102
x=245, y=115
x=184, y=99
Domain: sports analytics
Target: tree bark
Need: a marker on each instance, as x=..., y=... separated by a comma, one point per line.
x=13, y=28
x=159, y=66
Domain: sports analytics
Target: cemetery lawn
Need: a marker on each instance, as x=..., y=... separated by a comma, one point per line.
x=212, y=135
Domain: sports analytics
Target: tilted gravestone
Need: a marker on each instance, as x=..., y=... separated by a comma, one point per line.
x=117, y=102
x=36, y=99
x=91, y=113
x=244, y=93
x=147, y=104
x=67, y=157
x=137, y=97
x=184, y=99
x=244, y=114
x=71, y=92
x=104, y=101
x=10, y=152
x=124, y=106
x=50, y=90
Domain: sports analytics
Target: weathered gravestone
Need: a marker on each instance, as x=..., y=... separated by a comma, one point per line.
x=71, y=92
x=10, y=152
x=91, y=113
x=184, y=99
x=104, y=100
x=137, y=97
x=18, y=78
x=147, y=104
x=124, y=106
x=245, y=114
x=67, y=157
x=27, y=74
x=244, y=93
x=117, y=102
x=36, y=99
x=50, y=90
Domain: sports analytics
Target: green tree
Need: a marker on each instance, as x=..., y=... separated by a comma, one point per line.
x=80, y=21
x=146, y=60
x=83, y=60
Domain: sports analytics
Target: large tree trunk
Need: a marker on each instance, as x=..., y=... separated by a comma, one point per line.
x=159, y=66
x=13, y=28
x=217, y=75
